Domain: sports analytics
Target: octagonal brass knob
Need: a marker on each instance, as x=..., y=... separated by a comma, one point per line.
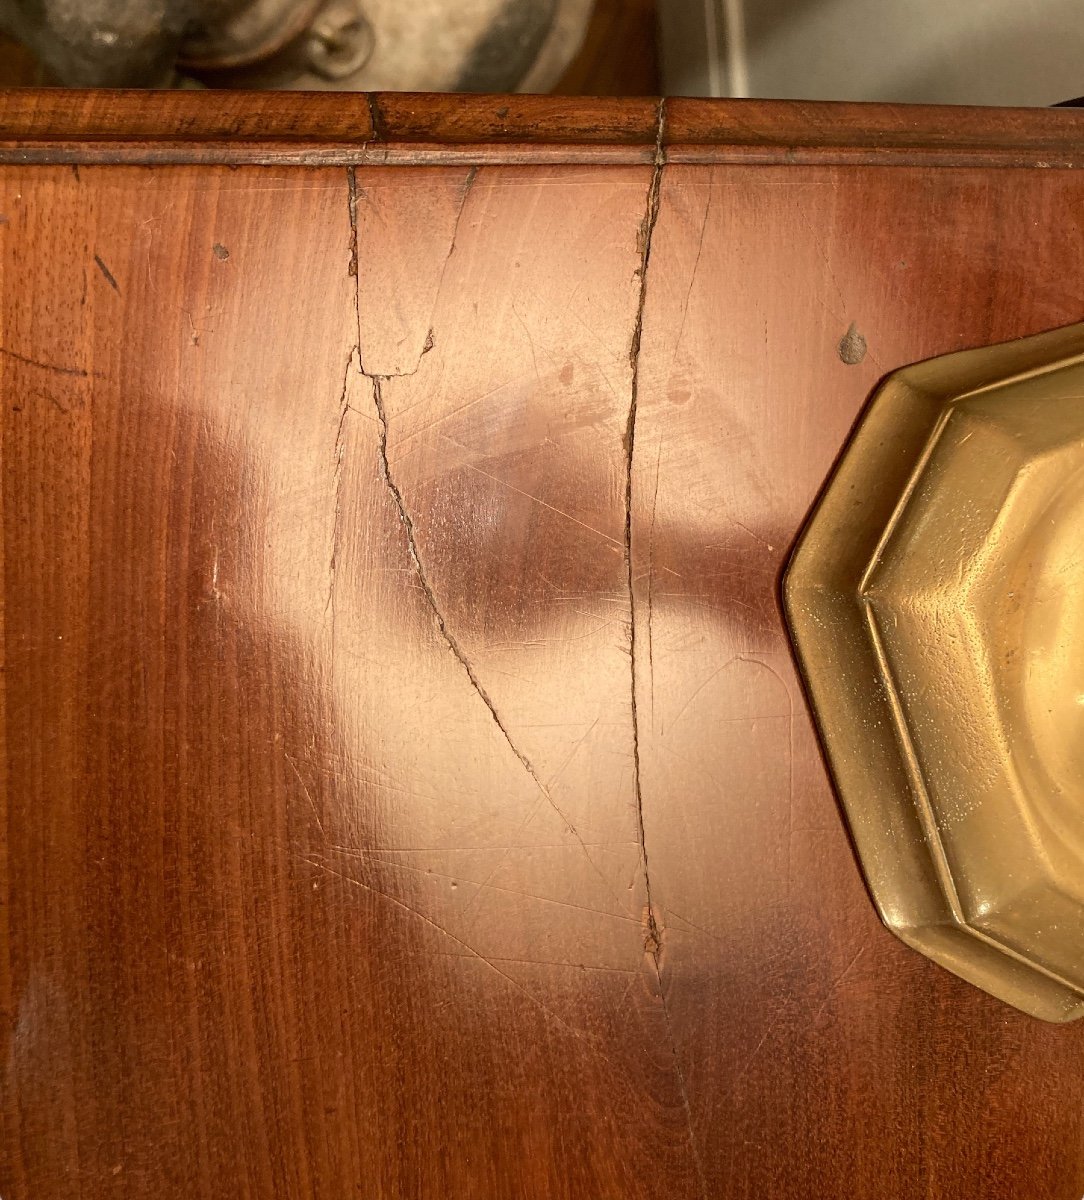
x=936, y=603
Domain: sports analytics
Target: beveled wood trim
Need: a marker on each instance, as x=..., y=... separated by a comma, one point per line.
x=290, y=128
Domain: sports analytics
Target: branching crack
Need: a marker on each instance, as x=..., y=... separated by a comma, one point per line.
x=429, y=342
x=449, y=638
x=377, y=382
x=453, y=643
x=354, y=259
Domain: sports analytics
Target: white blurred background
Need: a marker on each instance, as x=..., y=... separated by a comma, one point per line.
x=1015, y=52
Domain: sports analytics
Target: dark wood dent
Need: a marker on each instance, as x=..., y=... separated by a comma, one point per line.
x=320, y=129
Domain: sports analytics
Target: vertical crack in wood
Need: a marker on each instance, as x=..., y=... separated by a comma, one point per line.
x=377, y=382
x=653, y=933
x=652, y=941
x=336, y=521
x=352, y=211
x=344, y=407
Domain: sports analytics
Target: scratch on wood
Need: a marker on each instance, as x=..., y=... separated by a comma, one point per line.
x=538, y=500
x=375, y=856
x=578, y=1034
x=760, y=662
x=699, y=688
x=769, y=1030
x=552, y=962
x=107, y=274
x=692, y=274
x=683, y=1087
x=308, y=795
x=56, y=368
x=651, y=589
x=837, y=982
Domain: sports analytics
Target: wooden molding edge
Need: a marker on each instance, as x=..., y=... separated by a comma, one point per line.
x=325, y=129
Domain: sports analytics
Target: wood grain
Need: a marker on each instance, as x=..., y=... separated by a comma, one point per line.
x=50, y=126
x=407, y=787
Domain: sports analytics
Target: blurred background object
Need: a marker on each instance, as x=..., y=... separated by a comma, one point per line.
x=355, y=45
x=1014, y=52
x=619, y=56
x=1025, y=52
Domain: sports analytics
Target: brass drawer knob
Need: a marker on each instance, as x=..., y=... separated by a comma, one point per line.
x=936, y=603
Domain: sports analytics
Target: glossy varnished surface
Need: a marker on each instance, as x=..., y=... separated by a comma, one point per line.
x=329, y=774
x=934, y=608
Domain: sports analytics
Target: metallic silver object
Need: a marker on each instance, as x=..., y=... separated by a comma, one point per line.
x=352, y=45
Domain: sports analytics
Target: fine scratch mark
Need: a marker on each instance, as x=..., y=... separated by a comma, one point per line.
x=692, y=274
x=374, y=856
x=574, y=751
x=700, y=687
x=755, y=536
x=790, y=757
x=834, y=988
x=537, y=499
x=530, y=341
x=553, y=962
x=468, y=184
x=447, y=416
x=757, y=1049
x=651, y=590
x=107, y=274
x=362, y=851
x=56, y=368
x=693, y=927
x=653, y=936
x=308, y=795
x=532, y=812
x=579, y=1035
x=682, y=1084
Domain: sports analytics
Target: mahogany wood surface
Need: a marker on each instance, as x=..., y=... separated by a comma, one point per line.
x=407, y=788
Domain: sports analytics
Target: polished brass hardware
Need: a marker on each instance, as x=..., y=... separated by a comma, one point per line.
x=936, y=602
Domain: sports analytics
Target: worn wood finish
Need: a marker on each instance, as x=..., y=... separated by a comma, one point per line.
x=284, y=128
x=407, y=786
